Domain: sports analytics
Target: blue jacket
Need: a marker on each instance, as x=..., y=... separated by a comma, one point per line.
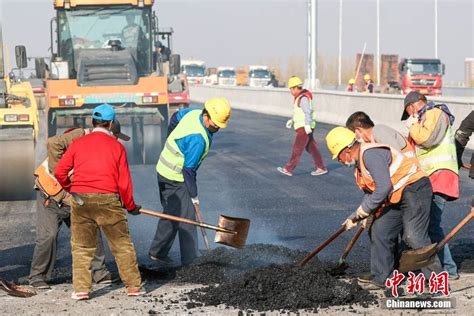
x=192, y=147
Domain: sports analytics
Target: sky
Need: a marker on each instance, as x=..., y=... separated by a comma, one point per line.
x=242, y=32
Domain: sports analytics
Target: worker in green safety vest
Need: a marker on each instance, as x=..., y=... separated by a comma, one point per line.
x=430, y=130
x=304, y=122
x=189, y=138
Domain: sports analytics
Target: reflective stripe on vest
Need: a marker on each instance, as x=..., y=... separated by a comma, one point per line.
x=403, y=171
x=299, y=116
x=171, y=161
x=441, y=156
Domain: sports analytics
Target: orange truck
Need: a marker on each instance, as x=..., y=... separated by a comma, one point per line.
x=103, y=52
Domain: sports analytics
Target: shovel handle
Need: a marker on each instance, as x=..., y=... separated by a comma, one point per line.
x=322, y=246
x=186, y=221
x=455, y=230
x=197, y=209
x=351, y=243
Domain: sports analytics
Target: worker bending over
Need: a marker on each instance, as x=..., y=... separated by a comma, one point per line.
x=189, y=139
x=397, y=193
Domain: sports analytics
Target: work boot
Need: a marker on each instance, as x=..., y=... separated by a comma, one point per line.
x=166, y=261
x=284, y=171
x=80, y=296
x=319, y=172
x=136, y=292
x=372, y=286
x=107, y=279
x=365, y=278
x=40, y=284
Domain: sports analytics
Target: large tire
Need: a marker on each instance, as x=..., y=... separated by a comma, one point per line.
x=17, y=159
x=153, y=143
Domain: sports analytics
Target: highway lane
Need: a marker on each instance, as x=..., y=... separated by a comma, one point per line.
x=239, y=178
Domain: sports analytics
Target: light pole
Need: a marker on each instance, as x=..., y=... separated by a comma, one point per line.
x=339, y=79
x=436, y=28
x=378, y=42
x=312, y=44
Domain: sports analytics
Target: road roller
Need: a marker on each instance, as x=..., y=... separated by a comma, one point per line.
x=18, y=131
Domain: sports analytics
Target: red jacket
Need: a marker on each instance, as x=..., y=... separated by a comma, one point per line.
x=100, y=165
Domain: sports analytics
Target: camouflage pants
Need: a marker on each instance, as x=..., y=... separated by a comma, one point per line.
x=104, y=211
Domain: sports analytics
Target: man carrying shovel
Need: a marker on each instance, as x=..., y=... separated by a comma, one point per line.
x=387, y=177
x=189, y=139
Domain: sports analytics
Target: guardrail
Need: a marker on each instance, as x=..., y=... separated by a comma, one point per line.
x=332, y=107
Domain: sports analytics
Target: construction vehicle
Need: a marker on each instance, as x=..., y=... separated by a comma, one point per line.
x=195, y=71
x=422, y=75
x=103, y=53
x=226, y=76
x=259, y=76
x=18, y=131
x=178, y=89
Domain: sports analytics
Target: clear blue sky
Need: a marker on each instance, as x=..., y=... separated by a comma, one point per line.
x=239, y=32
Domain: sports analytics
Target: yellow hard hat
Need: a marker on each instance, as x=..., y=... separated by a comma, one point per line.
x=338, y=139
x=219, y=110
x=294, y=82
x=367, y=77
x=352, y=81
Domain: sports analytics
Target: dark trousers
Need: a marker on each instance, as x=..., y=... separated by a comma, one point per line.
x=304, y=142
x=48, y=223
x=412, y=215
x=176, y=201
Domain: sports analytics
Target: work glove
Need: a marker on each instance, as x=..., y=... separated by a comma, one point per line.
x=289, y=124
x=357, y=215
x=411, y=120
x=135, y=211
x=308, y=129
x=195, y=200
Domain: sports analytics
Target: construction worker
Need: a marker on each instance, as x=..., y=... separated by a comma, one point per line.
x=189, y=139
x=430, y=130
x=462, y=136
x=351, y=86
x=369, y=84
x=367, y=132
x=54, y=209
x=100, y=186
x=388, y=178
x=303, y=122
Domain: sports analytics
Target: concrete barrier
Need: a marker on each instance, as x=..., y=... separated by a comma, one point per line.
x=332, y=107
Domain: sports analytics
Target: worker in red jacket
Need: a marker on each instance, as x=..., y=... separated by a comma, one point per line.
x=102, y=187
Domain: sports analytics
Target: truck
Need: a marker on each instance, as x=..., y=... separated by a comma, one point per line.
x=195, y=71
x=102, y=52
x=19, y=129
x=226, y=76
x=421, y=74
x=178, y=89
x=259, y=76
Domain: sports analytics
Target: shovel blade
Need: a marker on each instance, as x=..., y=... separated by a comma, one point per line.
x=15, y=290
x=415, y=259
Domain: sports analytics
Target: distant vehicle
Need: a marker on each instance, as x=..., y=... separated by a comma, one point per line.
x=259, y=76
x=211, y=76
x=195, y=71
x=242, y=76
x=422, y=75
x=226, y=76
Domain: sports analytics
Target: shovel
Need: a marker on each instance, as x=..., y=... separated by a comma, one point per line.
x=232, y=231
x=16, y=290
x=197, y=209
x=325, y=243
x=342, y=264
x=419, y=258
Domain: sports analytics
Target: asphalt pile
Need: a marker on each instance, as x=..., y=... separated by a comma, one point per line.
x=264, y=278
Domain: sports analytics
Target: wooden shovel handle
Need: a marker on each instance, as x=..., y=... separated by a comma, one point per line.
x=352, y=242
x=186, y=221
x=199, y=217
x=322, y=246
x=455, y=230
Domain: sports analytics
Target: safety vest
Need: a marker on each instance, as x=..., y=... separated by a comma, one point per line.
x=45, y=181
x=403, y=171
x=298, y=114
x=441, y=156
x=171, y=161
x=408, y=150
